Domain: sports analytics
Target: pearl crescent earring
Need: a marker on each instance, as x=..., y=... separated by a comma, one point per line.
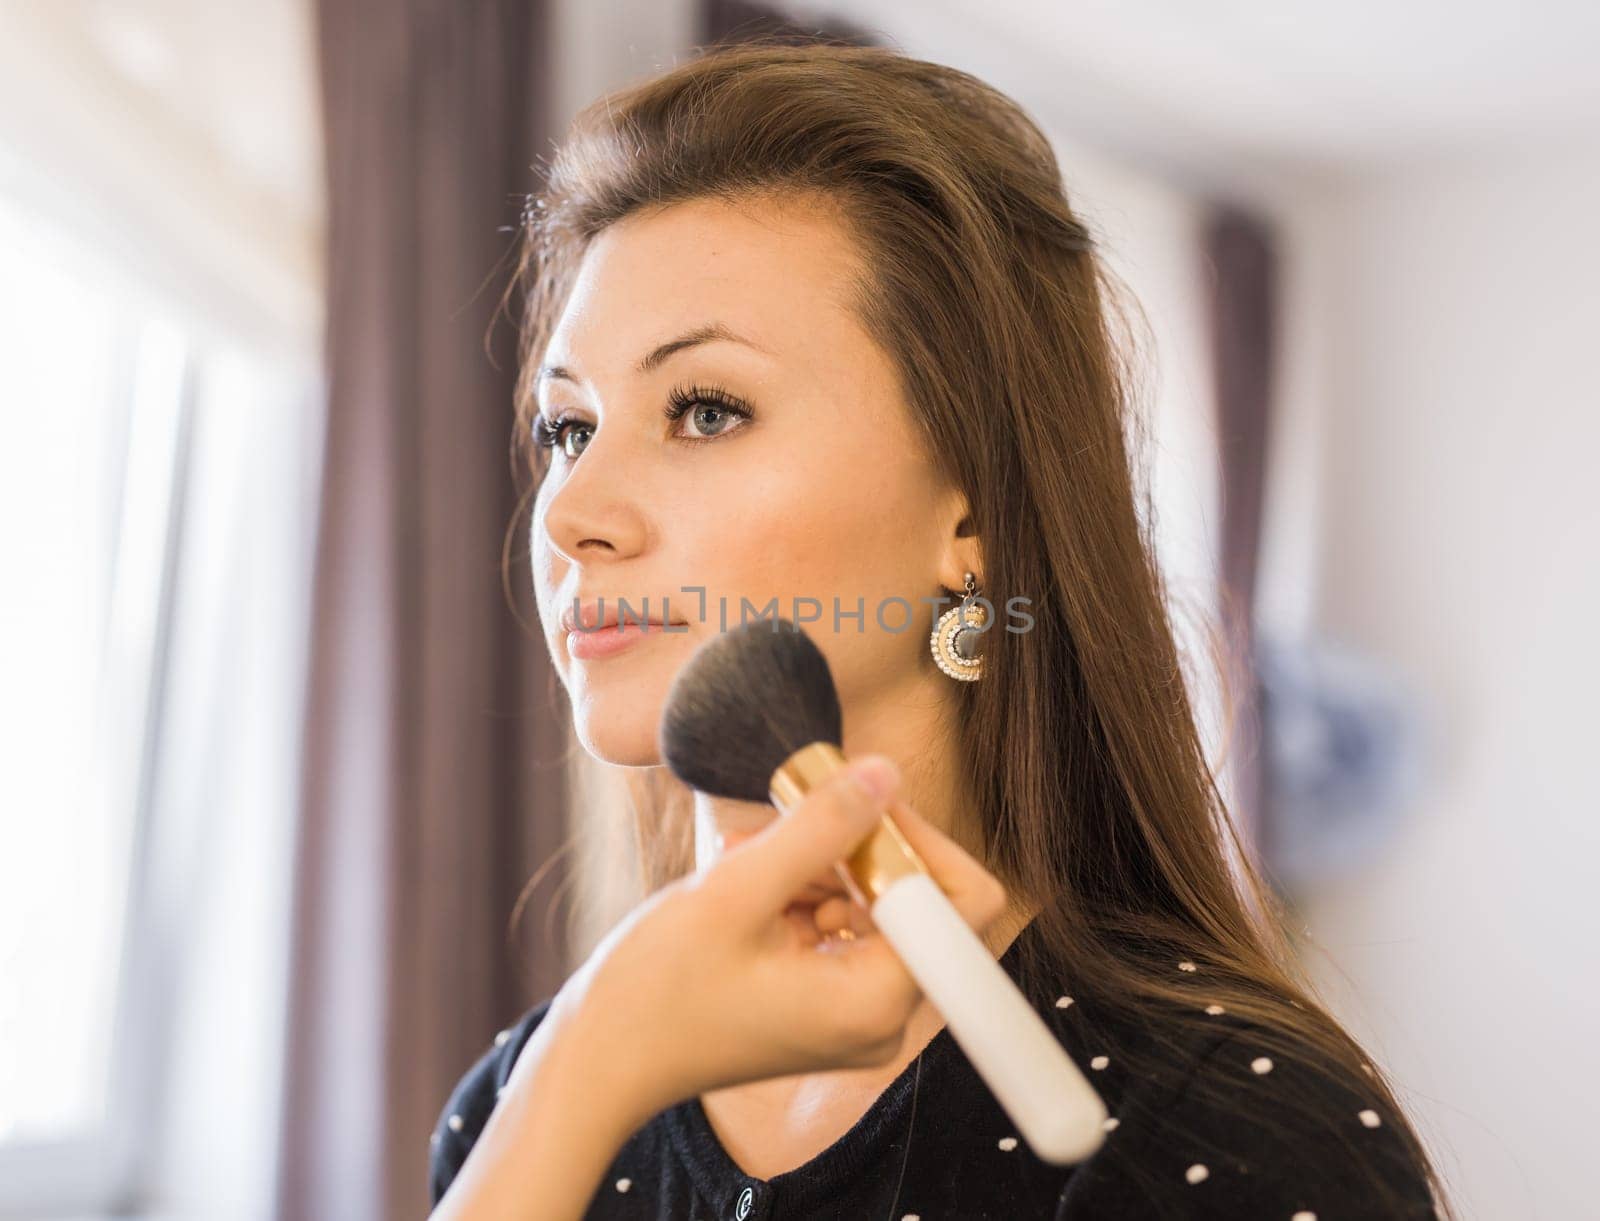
x=955, y=636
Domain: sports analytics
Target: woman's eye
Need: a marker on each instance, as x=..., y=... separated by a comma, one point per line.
x=703, y=413
x=697, y=414
x=549, y=434
x=709, y=419
x=567, y=432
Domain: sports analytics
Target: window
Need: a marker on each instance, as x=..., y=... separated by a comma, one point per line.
x=157, y=491
x=94, y=387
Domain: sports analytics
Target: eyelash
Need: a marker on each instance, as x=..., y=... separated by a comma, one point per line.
x=547, y=433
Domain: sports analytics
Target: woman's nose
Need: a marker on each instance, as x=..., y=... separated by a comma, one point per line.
x=595, y=512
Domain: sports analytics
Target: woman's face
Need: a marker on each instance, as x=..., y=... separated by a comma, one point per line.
x=824, y=492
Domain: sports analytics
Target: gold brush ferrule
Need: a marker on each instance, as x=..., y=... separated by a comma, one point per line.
x=883, y=857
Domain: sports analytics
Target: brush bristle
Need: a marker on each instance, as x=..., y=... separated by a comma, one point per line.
x=744, y=702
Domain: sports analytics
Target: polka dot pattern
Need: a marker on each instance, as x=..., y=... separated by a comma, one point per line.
x=1141, y=1091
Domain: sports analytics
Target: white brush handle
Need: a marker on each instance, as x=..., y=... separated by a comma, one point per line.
x=1054, y=1107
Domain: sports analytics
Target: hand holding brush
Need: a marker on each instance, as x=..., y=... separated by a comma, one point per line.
x=725, y=976
x=754, y=716
x=717, y=978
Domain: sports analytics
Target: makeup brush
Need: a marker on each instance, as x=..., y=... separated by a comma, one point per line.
x=754, y=715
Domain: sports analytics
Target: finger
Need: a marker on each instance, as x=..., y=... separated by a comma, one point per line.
x=976, y=893
x=823, y=828
x=842, y=915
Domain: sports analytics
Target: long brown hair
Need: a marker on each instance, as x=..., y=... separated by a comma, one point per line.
x=1095, y=799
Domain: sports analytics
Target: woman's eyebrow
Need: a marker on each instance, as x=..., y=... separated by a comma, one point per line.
x=657, y=356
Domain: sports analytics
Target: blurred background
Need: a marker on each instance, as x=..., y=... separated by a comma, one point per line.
x=292, y=821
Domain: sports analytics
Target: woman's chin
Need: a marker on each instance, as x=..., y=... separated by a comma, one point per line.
x=617, y=701
x=622, y=737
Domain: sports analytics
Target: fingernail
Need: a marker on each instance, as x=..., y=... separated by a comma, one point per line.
x=877, y=774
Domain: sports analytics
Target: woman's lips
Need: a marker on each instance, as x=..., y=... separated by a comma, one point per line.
x=594, y=643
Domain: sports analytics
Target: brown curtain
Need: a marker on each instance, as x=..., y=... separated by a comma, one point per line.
x=433, y=785
x=1242, y=279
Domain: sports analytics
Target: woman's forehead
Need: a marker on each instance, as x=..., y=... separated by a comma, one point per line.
x=774, y=282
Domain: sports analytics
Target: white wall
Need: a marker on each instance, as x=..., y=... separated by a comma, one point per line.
x=1460, y=539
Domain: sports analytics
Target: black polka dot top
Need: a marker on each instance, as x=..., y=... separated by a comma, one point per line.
x=1280, y=1143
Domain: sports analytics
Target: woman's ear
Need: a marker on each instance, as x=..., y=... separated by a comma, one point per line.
x=961, y=552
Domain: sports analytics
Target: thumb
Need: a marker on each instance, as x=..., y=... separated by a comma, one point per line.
x=823, y=828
